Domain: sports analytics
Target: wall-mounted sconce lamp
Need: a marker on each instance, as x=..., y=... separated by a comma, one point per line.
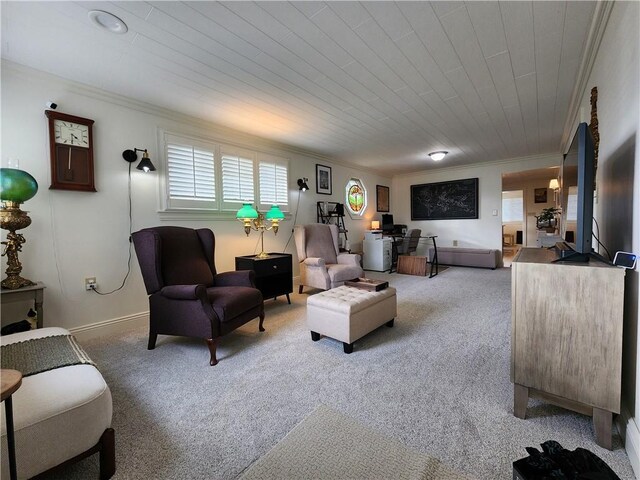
x=437, y=156
x=254, y=220
x=145, y=164
x=375, y=224
x=554, y=185
x=302, y=184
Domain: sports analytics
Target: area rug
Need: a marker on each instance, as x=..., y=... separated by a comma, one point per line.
x=329, y=445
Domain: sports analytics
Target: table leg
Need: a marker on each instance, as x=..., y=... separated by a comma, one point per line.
x=39, y=308
x=602, y=420
x=520, y=400
x=11, y=441
x=434, y=260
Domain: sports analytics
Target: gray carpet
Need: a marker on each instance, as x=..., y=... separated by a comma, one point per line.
x=438, y=382
x=327, y=444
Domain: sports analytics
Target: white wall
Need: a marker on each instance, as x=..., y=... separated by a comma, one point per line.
x=486, y=231
x=616, y=73
x=78, y=234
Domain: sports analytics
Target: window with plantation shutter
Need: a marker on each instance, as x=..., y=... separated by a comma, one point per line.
x=273, y=182
x=191, y=174
x=199, y=177
x=237, y=177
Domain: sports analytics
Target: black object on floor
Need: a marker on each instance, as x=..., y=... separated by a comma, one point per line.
x=557, y=463
x=21, y=326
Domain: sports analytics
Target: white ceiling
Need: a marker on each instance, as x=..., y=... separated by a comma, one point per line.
x=379, y=84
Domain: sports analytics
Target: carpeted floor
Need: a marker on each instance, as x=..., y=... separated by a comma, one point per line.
x=328, y=444
x=438, y=382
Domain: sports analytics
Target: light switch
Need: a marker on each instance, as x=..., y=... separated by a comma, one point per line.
x=495, y=212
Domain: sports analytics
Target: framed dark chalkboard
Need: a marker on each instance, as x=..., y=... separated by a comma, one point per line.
x=453, y=200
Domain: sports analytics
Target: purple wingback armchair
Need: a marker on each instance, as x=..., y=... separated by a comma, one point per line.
x=186, y=295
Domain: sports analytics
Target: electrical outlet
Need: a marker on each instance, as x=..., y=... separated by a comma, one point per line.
x=455, y=243
x=90, y=283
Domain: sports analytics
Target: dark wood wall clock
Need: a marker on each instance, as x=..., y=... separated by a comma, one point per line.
x=71, y=143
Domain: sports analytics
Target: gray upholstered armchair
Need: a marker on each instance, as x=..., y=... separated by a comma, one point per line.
x=186, y=295
x=321, y=263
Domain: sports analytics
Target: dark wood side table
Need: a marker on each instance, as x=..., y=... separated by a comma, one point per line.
x=274, y=274
x=34, y=293
x=10, y=381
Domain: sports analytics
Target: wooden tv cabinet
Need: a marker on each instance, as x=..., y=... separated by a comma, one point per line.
x=566, y=336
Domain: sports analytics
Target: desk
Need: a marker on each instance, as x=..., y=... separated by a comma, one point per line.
x=434, y=260
x=34, y=292
x=11, y=381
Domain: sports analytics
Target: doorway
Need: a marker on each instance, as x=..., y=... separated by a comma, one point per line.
x=519, y=210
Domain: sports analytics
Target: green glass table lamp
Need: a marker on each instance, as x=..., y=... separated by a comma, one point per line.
x=16, y=187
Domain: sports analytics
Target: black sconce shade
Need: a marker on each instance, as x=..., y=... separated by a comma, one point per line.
x=145, y=164
x=302, y=184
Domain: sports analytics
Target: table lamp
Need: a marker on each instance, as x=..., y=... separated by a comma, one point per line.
x=254, y=220
x=375, y=224
x=16, y=187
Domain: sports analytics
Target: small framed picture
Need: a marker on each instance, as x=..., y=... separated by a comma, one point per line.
x=323, y=179
x=540, y=195
x=382, y=198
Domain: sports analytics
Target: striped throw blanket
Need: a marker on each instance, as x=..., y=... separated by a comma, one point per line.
x=39, y=355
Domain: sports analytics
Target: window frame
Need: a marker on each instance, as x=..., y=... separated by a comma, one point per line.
x=185, y=208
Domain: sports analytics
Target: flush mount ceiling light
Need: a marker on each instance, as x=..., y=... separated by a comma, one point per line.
x=437, y=156
x=108, y=21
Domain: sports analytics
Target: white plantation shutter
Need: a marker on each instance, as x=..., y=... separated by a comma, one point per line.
x=237, y=178
x=273, y=184
x=207, y=176
x=191, y=172
x=191, y=175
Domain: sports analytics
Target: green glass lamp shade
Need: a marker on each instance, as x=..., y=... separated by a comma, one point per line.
x=275, y=213
x=16, y=185
x=247, y=211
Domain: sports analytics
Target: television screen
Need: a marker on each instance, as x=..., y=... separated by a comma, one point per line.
x=387, y=222
x=578, y=171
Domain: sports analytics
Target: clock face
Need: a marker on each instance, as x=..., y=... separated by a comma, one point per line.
x=69, y=133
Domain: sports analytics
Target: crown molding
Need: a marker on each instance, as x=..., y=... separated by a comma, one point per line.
x=599, y=22
x=165, y=113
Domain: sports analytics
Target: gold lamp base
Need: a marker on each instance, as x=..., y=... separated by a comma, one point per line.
x=12, y=219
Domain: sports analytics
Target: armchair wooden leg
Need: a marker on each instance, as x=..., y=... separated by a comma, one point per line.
x=152, y=341
x=212, y=343
x=299, y=288
x=260, y=327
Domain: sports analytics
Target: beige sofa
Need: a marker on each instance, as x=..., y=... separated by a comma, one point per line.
x=467, y=257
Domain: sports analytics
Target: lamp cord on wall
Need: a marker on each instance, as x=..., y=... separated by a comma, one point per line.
x=295, y=220
x=94, y=289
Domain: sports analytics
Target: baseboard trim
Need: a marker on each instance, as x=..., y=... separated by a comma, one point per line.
x=114, y=325
x=628, y=428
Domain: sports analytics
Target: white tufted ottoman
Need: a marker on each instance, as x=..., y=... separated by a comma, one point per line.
x=348, y=313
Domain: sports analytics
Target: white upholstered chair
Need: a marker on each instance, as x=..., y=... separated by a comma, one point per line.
x=321, y=263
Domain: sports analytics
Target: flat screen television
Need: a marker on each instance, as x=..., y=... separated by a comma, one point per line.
x=387, y=222
x=576, y=183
